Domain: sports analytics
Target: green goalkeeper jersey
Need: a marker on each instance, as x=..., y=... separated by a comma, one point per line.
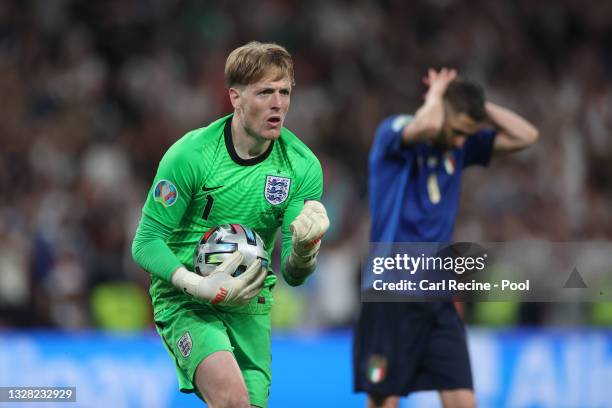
x=201, y=182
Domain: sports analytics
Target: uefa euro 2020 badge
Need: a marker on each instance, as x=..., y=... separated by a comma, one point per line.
x=276, y=189
x=165, y=193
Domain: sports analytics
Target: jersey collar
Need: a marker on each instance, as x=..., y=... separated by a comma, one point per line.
x=227, y=131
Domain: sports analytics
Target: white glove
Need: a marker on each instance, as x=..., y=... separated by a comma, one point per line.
x=307, y=230
x=220, y=287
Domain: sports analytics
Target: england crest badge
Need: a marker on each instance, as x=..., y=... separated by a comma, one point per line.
x=277, y=189
x=185, y=344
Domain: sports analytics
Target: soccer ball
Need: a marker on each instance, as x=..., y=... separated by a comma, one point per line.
x=219, y=242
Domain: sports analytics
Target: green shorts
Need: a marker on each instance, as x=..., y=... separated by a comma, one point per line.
x=194, y=330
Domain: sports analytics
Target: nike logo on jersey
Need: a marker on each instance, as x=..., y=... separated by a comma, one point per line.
x=204, y=188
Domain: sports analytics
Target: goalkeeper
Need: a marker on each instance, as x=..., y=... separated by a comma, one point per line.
x=243, y=168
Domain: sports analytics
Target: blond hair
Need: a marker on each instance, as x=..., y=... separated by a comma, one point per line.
x=249, y=63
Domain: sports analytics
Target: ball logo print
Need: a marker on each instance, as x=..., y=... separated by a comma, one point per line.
x=165, y=193
x=277, y=189
x=219, y=242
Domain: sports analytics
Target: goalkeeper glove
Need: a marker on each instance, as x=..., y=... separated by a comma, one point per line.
x=307, y=230
x=220, y=287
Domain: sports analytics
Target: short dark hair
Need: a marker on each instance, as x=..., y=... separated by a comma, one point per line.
x=466, y=97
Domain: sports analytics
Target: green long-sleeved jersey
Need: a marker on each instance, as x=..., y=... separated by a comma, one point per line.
x=201, y=182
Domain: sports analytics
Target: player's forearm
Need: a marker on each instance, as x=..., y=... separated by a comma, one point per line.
x=429, y=119
x=427, y=122
x=515, y=131
x=150, y=251
x=193, y=284
x=296, y=269
x=296, y=272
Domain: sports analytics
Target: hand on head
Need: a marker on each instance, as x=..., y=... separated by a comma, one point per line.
x=438, y=81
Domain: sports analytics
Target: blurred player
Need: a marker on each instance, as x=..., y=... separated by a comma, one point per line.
x=243, y=168
x=415, y=170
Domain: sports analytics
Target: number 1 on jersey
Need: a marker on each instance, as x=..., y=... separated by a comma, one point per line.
x=208, y=207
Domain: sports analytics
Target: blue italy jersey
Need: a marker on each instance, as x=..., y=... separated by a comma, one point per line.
x=414, y=190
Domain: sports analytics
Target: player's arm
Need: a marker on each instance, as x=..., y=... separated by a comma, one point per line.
x=304, y=224
x=429, y=118
x=150, y=251
x=167, y=200
x=514, y=132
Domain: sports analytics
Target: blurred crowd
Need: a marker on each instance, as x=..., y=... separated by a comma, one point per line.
x=94, y=92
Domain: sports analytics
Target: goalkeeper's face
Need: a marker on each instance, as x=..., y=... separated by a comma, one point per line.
x=262, y=106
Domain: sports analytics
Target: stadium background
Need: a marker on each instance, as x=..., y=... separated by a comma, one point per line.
x=93, y=93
